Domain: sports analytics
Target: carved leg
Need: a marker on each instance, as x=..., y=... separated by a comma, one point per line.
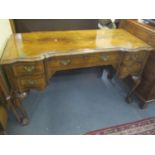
x=137, y=80
x=24, y=120
x=18, y=109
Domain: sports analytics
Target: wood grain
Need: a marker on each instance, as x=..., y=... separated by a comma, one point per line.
x=40, y=45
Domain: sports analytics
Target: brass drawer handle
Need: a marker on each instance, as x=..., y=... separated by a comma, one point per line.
x=29, y=68
x=104, y=57
x=65, y=62
x=32, y=82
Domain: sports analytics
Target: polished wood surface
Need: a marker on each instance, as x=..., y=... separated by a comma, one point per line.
x=38, y=45
x=146, y=90
x=31, y=59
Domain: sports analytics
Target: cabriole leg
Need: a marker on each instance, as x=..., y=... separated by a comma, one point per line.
x=137, y=80
x=19, y=110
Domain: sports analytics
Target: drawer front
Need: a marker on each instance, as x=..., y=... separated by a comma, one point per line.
x=85, y=60
x=109, y=58
x=132, y=63
x=35, y=82
x=134, y=57
x=135, y=68
x=28, y=68
x=126, y=70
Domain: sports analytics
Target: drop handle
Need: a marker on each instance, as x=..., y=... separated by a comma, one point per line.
x=32, y=82
x=65, y=62
x=104, y=57
x=29, y=68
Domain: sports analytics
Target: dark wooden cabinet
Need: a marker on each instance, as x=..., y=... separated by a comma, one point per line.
x=146, y=90
x=147, y=87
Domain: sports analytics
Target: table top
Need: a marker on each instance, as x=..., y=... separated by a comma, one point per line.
x=38, y=45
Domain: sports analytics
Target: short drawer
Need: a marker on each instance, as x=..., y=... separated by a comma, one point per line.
x=132, y=57
x=136, y=68
x=28, y=68
x=132, y=69
x=35, y=82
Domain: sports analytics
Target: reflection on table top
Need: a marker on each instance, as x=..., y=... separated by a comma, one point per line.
x=44, y=44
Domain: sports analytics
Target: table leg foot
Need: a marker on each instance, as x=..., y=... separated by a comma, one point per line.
x=129, y=99
x=143, y=105
x=24, y=121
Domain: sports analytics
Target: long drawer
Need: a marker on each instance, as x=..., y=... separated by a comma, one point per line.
x=84, y=60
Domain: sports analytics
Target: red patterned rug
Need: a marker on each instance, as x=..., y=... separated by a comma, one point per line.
x=141, y=127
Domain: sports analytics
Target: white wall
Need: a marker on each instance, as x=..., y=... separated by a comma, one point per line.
x=5, y=32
